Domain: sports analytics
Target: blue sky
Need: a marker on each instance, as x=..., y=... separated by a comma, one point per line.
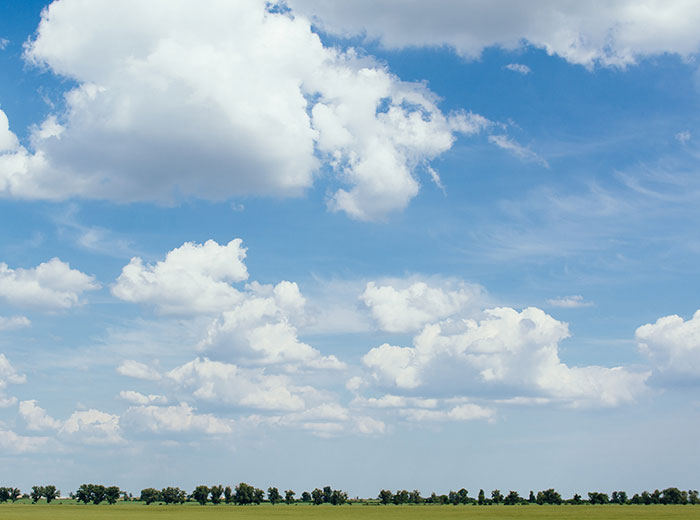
x=438, y=247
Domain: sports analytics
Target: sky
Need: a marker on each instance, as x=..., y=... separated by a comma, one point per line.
x=372, y=245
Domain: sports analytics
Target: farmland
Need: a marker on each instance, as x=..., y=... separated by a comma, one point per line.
x=137, y=510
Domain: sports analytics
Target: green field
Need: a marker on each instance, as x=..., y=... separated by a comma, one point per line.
x=138, y=511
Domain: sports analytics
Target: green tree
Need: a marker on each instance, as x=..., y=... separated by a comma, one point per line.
x=385, y=496
x=173, y=495
x=216, y=492
x=15, y=493
x=482, y=498
x=317, y=496
x=150, y=495
x=84, y=493
x=400, y=497
x=273, y=495
x=513, y=498
x=692, y=497
x=673, y=496
x=228, y=495
x=595, y=497
x=548, y=496
x=244, y=494
x=619, y=497
x=496, y=496
x=577, y=499
x=305, y=496
x=258, y=496
x=338, y=498
x=37, y=493
x=414, y=497
x=201, y=494
x=289, y=497
x=531, y=498
x=112, y=494
x=97, y=493
x=4, y=494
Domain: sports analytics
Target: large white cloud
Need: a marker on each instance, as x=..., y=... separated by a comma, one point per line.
x=51, y=285
x=673, y=344
x=92, y=427
x=180, y=419
x=215, y=101
x=609, y=32
x=260, y=331
x=36, y=417
x=11, y=443
x=230, y=385
x=507, y=350
x=399, y=307
x=192, y=278
x=8, y=375
x=138, y=370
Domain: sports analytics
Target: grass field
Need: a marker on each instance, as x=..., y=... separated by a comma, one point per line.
x=139, y=511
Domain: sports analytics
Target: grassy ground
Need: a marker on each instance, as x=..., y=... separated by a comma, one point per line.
x=138, y=511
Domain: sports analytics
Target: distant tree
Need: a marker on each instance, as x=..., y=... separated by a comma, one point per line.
x=216, y=492
x=673, y=496
x=112, y=494
x=512, y=498
x=692, y=497
x=656, y=497
x=289, y=497
x=201, y=494
x=173, y=495
x=228, y=495
x=385, y=496
x=595, y=497
x=317, y=497
x=619, y=497
x=97, y=493
x=305, y=496
x=548, y=496
x=338, y=498
x=636, y=499
x=496, y=496
x=273, y=495
x=245, y=494
x=4, y=494
x=577, y=499
x=414, y=497
x=150, y=495
x=463, y=496
x=327, y=492
x=400, y=497
x=482, y=497
x=37, y=493
x=15, y=493
x=531, y=498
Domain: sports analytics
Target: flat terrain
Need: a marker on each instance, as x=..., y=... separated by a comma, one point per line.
x=138, y=511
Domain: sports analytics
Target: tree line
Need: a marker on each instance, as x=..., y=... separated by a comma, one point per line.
x=245, y=494
x=670, y=495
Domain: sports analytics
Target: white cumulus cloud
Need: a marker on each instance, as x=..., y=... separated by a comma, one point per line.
x=399, y=307
x=672, y=344
x=138, y=370
x=518, y=67
x=178, y=419
x=236, y=387
x=8, y=375
x=609, y=33
x=51, y=285
x=216, y=101
x=36, y=417
x=192, y=278
x=133, y=397
x=92, y=427
x=507, y=349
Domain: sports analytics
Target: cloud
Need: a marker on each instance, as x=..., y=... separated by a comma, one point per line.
x=230, y=385
x=179, y=419
x=521, y=152
x=193, y=278
x=14, y=322
x=36, y=417
x=8, y=140
x=92, y=427
x=683, y=137
x=570, y=302
x=51, y=285
x=616, y=33
x=507, y=351
x=4, y=42
x=518, y=67
x=11, y=443
x=137, y=370
x=464, y=412
x=218, y=102
x=330, y=420
x=672, y=344
x=134, y=397
x=8, y=375
x=258, y=330
x=409, y=307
